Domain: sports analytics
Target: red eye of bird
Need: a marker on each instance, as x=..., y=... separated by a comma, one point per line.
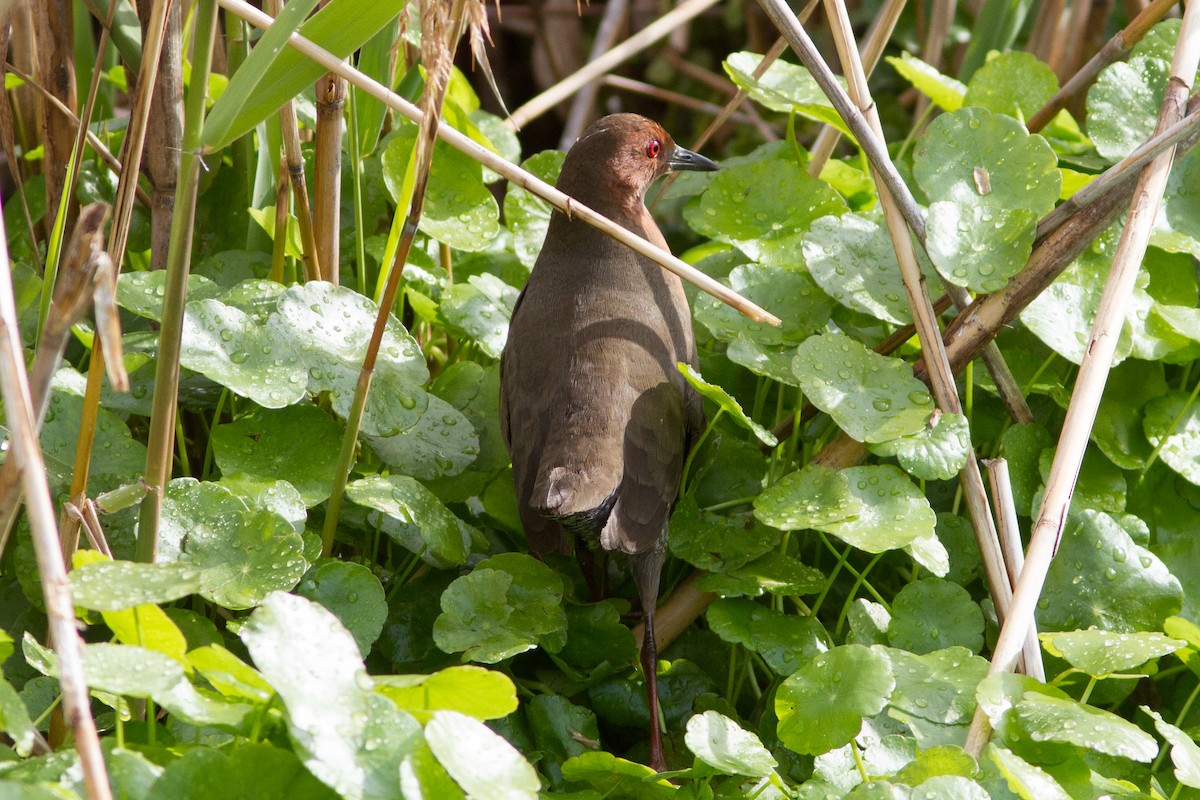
x=654, y=148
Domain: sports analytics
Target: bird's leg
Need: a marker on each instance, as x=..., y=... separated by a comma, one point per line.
x=650, y=671
x=647, y=568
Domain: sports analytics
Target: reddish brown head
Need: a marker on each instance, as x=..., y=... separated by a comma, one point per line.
x=611, y=165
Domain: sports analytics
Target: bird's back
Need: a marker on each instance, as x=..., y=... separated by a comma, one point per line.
x=596, y=414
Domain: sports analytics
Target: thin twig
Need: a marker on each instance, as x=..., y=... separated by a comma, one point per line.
x=1093, y=371
x=531, y=183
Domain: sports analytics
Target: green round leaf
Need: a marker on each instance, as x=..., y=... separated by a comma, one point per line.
x=790, y=294
x=717, y=543
x=1123, y=103
x=821, y=706
x=873, y=398
x=1172, y=424
x=1016, y=84
x=353, y=594
x=442, y=442
x=334, y=324
x=946, y=92
x=783, y=87
x=1100, y=653
x=1052, y=719
x=116, y=585
x=509, y=604
x=142, y=292
x=413, y=516
x=459, y=210
x=617, y=778
x=296, y=443
x=475, y=391
x=526, y=214
x=482, y=762
x=937, y=453
x=1024, y=779
x=480, y=309
x=932, y=614
x=894, y=512
x=938, y=686
x=763, y=207
x=240, y=566
x=1022, y=170
x=852, y=258
x=809, y=498
x=129, y=670
x=727, y=404
x=979, y=246
x=477, y=692
x=596, y=637
x=225, y=344
x=1100, y=578
x=722, y=744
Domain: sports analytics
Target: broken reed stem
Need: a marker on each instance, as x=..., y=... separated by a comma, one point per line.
x=611, y=23
x=60, y=611
x=924, y=318
x=1093, y=370
x=510, y=171
x=1114, y=50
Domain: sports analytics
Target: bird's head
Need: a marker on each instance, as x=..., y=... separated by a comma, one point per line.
x=619, y=156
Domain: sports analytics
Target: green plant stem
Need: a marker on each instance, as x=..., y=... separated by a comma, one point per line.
x=859, y=580
x=161, y=443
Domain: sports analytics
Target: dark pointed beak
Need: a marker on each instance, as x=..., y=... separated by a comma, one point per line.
x=684, y=159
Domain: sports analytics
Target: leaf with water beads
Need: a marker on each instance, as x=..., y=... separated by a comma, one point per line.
x=442, y=442
x=821, y=706
x=894, y=512
x=933, y=614
x=459, y=209
x=142, y=293
x=1123, y=103
x=353, y=594
x=526, y=214
x=763, y=207
x=784, y=87
x=852, y=259
x=1029, y=782
x=1051, y=719
x=1184, y=752
x=413, y=516
x=790, y=294
x=268, y=443
x=479, y=310
x=223, y=343
x=1101, y=578
x=115, y=585
x=333, y=325
x=936, y=453
x=509, y=604
x=873, y=398
x=1172, y=424
x=808, y=498
x=724, y=745
x=481, y=761
x=1100, y=653
x=1016, y=84
x=988, y=181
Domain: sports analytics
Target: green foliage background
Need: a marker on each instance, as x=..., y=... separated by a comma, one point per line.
x=844, y=654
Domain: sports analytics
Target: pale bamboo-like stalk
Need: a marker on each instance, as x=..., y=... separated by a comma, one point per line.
x=627, y=49
x=1014, y=554
x=160, y=446
x=1093, y=371
x=1115, y=49
x=878, y=36
x=531, y=183
x=56, y=590
x=924, y=318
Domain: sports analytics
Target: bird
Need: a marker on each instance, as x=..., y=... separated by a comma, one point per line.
x=597, y=417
